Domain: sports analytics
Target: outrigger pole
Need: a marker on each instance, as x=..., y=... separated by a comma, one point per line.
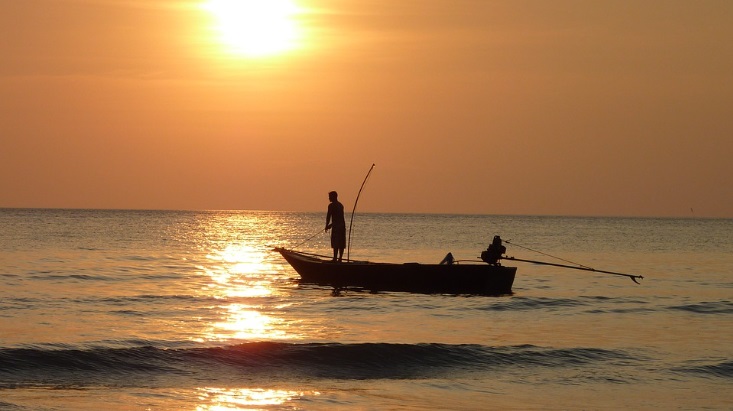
x=353, y=211
x=632, y=276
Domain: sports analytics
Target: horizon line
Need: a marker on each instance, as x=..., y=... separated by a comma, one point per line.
x=436, y=213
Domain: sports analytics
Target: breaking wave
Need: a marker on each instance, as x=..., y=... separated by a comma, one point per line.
x=723, y=369
x=23, y=366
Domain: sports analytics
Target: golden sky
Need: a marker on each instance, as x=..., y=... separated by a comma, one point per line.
x=567, y=107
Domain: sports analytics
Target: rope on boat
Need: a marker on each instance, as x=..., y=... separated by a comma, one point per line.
x=577, y=266
x=548, y=255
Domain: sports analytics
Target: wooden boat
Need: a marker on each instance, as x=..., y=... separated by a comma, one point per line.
x=451, y=278
x=447, y=277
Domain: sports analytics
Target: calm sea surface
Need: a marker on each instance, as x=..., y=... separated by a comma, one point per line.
x=165, y=310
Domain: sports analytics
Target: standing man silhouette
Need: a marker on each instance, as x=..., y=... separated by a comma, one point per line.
x=336, y=222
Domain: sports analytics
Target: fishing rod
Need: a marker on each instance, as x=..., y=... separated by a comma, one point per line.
x=308, y=239
x=353, y=211
x=584, y=268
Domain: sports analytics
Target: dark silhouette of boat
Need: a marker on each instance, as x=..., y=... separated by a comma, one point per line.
x=488, y=278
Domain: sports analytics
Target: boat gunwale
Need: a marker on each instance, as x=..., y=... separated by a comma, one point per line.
x=323, y=259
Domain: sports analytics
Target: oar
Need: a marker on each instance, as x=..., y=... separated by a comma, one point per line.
x=632, y=276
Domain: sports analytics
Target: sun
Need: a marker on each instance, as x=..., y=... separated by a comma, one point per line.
x=256, y=28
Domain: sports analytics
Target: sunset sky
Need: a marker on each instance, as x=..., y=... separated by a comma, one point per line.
x=568, y=107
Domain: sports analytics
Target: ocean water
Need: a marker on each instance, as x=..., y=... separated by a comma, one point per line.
x=169, y=310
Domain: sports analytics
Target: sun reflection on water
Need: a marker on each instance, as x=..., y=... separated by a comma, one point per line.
x=245, y=323
x=239, y=273
x=221, y=399
x=239, y=270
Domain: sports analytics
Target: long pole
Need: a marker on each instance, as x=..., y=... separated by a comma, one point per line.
x=308, y=239
x=632, y=276
x=353, y=211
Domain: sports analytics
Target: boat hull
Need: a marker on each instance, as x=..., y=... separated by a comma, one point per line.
x=482, y=279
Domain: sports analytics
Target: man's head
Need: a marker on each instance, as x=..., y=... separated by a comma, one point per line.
x=333, y=196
